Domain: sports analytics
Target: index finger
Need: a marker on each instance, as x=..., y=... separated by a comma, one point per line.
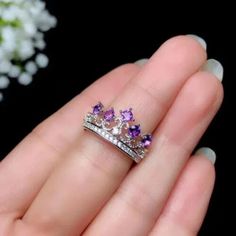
x=26, y=168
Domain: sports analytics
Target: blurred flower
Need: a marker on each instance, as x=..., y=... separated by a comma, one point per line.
x=22, y=27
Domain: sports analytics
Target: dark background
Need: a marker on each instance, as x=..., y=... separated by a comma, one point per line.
x=85, y=45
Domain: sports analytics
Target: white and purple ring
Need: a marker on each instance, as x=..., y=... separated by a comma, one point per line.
x=118, y=130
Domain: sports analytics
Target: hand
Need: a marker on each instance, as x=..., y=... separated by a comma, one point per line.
x=61, y=180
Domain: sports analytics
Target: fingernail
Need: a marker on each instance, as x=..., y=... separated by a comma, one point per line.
x=199, y=39
x=213, y=66
x=208, y=153
x=141, y=62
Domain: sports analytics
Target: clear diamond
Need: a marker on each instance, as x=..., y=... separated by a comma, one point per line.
x=115, y=131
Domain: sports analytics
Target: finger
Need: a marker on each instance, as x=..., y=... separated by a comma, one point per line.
x=140, y=199
x=187, y=205
x=89, y=176
x=25, y=169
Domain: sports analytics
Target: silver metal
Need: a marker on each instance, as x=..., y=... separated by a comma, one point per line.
x=106, y=134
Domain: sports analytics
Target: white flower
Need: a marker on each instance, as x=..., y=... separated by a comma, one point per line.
x=9, y=40
x=14, y=71
x=25, y=79
x=22, y=27
x=41, y=60
x=4, y=82
x=26, y=50
x=9, y=14
x=31, y=67
x=40, y=44
x=5, y=66
x=30, y=29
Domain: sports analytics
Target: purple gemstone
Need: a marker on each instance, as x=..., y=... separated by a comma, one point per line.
x=109, y=115
x=146, y=141
x=127, y=115
x=134, y=131
x=97, y=108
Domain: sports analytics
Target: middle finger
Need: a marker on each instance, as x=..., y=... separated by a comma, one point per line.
x=81, y=185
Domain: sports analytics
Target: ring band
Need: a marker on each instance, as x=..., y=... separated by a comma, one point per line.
x=118, y=130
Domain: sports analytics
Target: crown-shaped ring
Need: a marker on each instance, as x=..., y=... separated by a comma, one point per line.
x=119, y=130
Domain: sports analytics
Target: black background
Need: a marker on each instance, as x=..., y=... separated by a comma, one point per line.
x=90, y=41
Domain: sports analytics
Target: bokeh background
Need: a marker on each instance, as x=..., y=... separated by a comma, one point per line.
x=89, y=42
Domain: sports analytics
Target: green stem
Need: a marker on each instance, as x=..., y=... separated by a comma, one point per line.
x=14, y=23
x=5, y=4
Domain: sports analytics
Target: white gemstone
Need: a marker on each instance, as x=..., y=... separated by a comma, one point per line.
x=115, y=141
x=119, y=144
x=115, y=130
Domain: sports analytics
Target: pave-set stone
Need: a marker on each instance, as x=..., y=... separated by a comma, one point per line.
x=119, y=130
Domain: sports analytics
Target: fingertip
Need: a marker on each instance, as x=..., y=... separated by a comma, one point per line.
x=187, y=44
x=208, y=153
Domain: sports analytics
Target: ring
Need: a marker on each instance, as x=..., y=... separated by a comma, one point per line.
x=118, y=130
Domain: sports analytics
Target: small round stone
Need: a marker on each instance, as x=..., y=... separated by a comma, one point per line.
x=97, y=108
x=115, y=131
x=127, y=115
x=109, y=115
x=134, y=131
x=146, y=140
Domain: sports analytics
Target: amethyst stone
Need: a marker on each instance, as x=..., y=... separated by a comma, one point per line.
x=146, y=141
x=109, y=115
x=134, y=131
x=127, y=115
x=97, y=108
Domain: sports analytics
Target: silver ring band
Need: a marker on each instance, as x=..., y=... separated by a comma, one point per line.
x=118, y=130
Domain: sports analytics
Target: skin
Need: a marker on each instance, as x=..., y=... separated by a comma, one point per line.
x=56, y=184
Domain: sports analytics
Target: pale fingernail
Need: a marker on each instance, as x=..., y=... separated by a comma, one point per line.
x=141, y=62
x=213, y=66
x=208, y=153
x=199, y=39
